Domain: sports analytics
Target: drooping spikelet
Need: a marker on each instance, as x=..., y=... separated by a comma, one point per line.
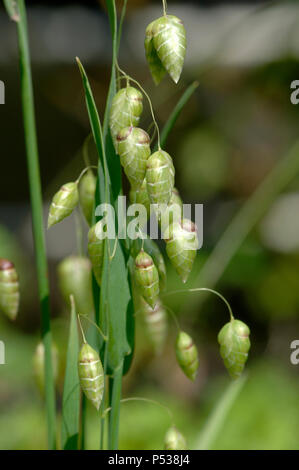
x=63, y=203
x=9, y=289
x=39, y=365
x=234, y=346
x=133, y=147
x=174, y=440
x=74, y=278
x=96, y=249
x=156, y=324
x=181, y=245
x=91, y=374
x=187, y=355
x=160, y=177
x=140, y=196
x=147, y=278
x=87, y=188
x=165, y=47
x=126, y=109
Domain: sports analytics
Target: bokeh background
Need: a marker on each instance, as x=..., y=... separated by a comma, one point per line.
x=236, y=128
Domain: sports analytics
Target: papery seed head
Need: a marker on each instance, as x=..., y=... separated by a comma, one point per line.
x=74, y=278
x=174, y=440
x=234, y=346
x=63, y=203
x=147, y=278
x=9, y=289
x=91, y=374
x=187, y=355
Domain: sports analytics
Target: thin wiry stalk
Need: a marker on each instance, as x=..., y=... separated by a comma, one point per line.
x=115, y=408
x=37, y=215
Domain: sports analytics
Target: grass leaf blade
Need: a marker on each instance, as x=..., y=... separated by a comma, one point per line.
x=71, y=389
x=219, y=414
x=176, y=112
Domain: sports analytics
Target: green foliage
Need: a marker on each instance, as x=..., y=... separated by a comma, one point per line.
x=71, y=389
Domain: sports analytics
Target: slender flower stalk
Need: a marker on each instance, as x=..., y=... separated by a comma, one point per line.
x=37, y=217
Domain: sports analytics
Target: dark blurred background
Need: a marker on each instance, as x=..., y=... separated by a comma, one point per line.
x=235, y=129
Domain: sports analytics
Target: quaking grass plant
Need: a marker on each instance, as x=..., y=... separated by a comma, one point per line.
x=135, y=267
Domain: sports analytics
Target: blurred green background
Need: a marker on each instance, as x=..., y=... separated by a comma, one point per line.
x=239, y=124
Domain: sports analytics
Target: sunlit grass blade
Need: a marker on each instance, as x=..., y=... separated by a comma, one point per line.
x=17, y=12
x=218, y=416
x=71, y=388
x=176, y=112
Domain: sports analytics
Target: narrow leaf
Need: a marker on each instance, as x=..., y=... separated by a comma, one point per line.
x=71, y=389
x=176, y=112
x=217, y=419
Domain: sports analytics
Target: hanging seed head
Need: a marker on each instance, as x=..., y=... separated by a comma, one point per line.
x=140, y=196
x=181, y=245
x=234, y=346
x=147, y=278
x=96, y=250
x=87, y=189
x=133, y=147
x=126, y=109
x=74, y=278
x=9, y=289
x=91, y=374
x=174, y=440
x=155, y=65
x=165, y=47
x=156, y=324
x=63, y=203
x=160, y=177
x=187, y=355
x=173, y=212
x=153, y=250
x=39, y=366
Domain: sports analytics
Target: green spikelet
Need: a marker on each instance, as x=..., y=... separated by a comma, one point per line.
x=147, y=278
x=181, y=245
x=173, y=212
x=160, y=177
x=140, y=196
x=155, y=65
x=9, y=289
x=134, y=150
x=156, y=324
x=63, y=203
x=187, y=355
x=96, y=250
x=126, y=109
x=153, y=250
x=74, y=278
x=39, y=366
x=91, y=374
x=87, y=189
x=234, y=346
x=174, y=440
x=165, y=47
